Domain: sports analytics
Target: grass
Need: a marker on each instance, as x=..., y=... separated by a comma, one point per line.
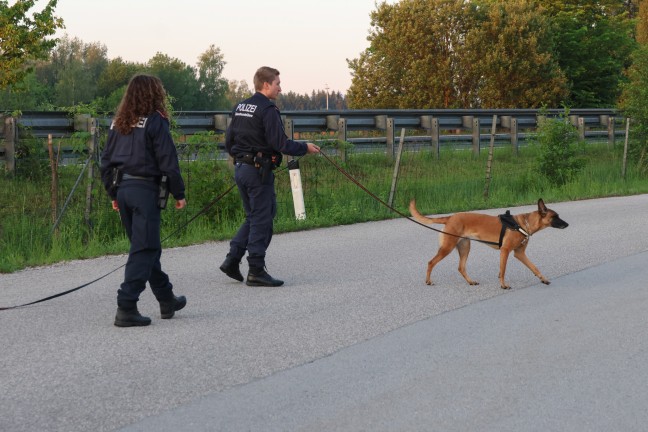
x=454, y=182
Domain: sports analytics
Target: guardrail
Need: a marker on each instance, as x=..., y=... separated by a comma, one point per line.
x=366, y=129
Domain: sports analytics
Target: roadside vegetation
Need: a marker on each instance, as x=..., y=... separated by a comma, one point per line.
x=452, y=183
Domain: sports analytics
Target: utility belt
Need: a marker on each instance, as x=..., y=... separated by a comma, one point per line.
x=162, y=182
x=264, y=163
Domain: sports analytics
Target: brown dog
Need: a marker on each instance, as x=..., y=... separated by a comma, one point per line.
x=461, y=227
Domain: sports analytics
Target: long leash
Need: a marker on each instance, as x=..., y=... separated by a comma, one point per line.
x=205, y=209
x=371, y=194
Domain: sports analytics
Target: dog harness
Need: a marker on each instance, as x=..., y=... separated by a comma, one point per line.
x=508, y=222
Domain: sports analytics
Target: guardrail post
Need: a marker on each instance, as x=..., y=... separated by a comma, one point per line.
x=220, y=122
x=472, y=123
x=10, y=138
x=431, y=125
x=511, y=123
x=342, y=138
x=390, y=138
x=609, y=122
x=581, y=128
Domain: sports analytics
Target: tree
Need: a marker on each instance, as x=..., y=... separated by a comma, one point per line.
x=415, y=57
x=23, y=39
x=237, y=91
x=179, y=80
x=633, y=103
x=456, y=54
x=213, y=86
x=593, y=40
x=510, y=49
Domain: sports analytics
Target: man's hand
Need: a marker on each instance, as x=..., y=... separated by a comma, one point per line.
x=312, y=148
x=115, y=206
x=180, y=204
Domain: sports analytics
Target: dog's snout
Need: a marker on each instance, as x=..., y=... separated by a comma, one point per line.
x=559, y=223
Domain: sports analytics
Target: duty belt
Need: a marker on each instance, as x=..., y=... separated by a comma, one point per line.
x=134, y=177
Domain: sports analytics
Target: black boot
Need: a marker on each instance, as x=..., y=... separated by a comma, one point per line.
x=258, y=276
x=129, y=316
x=231, y=268
x=169, y=308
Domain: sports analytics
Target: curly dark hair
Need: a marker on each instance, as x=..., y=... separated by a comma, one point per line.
x=144, y=95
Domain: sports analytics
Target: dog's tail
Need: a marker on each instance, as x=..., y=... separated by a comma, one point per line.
x=424, y=219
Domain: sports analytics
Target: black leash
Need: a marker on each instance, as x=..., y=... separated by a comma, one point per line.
x=357, y=183
x=205, y=209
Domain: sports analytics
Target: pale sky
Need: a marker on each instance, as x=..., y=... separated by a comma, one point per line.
x=307, y=40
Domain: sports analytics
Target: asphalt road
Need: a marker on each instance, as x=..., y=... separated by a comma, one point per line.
x=354, y=341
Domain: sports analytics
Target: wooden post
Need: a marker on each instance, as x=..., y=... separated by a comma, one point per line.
x=625, y=149
x=90, y=125
x=54, y=184
x=342, y=138
x=611, y=132
x=390, y=138
x=489, y=163
x=396, y=169
x=10, y=144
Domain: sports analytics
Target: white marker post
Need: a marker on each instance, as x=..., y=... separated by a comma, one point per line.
x=297, y=192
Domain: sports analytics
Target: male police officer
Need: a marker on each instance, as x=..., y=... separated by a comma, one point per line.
x=256, y=140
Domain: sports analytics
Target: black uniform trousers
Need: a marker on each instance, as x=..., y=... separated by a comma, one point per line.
x=140, y=216
x=260, y=205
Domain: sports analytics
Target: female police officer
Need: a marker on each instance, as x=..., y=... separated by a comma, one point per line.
x=139, y=154
x=256, y=139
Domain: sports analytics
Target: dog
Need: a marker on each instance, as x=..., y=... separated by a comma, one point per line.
x=506, y=233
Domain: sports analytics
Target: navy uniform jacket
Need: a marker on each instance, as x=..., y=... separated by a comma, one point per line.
x=148, y=151
x=257, y=127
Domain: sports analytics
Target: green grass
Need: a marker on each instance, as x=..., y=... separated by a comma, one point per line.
x=452, y=183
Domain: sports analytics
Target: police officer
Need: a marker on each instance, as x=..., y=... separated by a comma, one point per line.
x=139, y=156
x=256, y=140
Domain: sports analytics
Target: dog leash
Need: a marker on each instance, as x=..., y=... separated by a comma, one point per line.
x=205, y=209
x=371, y=194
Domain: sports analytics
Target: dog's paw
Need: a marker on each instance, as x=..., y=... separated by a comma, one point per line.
x=505, y=286
x=428, y=282
x=546, y=282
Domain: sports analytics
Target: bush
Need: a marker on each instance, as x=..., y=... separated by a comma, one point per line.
x=558, y=143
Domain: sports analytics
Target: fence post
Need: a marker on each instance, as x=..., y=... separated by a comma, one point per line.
x=11, y=137
x=392, y=191
x=511, y=123
x=390, y=138
x=342, y=138
x=84, y=123
x=581, y=128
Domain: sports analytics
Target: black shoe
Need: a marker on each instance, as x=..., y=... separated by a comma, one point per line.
x=169, y=308
x=231, y=268
x=130, y=318
x=260, y=277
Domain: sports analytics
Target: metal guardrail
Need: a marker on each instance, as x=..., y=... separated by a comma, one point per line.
x=438, y=127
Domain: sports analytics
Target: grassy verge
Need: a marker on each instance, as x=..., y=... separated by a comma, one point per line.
x=454, y=182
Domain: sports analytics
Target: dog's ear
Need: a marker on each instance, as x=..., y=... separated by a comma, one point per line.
x=542, y=208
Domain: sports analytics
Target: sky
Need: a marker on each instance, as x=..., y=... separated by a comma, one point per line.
x=308, y=41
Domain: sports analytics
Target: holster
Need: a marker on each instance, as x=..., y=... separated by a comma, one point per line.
x=265, y=167
x=163, y=194
x=116, y=180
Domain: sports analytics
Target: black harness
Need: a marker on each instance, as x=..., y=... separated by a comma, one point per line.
x=508, y=222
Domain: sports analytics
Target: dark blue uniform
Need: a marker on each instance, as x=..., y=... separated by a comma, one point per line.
x=256, y=130
x=147, y=153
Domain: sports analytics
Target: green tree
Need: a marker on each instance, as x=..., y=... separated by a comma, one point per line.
x=511, y=51
x=23, y=39
x=28, y=94
x=456, y=54
x=179, y=80
x=237, y=91
x=558, y=140
x=633, y=103
x=75, y=68
x=213, y=87
x=415, y=57
x=594, y=41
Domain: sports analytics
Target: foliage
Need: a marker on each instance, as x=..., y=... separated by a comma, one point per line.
x=455, y=54
x=594, y=41
x=452, y=183
x=24, y=38
x=558, y=160
x=633, y=103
